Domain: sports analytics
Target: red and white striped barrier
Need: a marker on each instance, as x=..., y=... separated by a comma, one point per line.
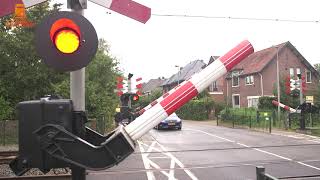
x=288, y=108
x=177, y=97
x=127, y=8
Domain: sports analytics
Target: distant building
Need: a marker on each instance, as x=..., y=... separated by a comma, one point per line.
x=152, y=85
x=184, y=74
x=256, y=75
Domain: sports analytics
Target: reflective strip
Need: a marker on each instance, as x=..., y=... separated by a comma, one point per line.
x=179, y=97
x=145, y=122
x=235, y=55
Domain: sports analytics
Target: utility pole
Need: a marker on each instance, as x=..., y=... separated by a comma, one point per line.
x=77, y=85
x=278, y=82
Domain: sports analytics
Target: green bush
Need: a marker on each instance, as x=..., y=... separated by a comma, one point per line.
x=265, y=102
x=196, y=109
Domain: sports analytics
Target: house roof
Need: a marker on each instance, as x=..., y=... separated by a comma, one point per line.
x=257, y=61
x=186, y=72
x=152, y=84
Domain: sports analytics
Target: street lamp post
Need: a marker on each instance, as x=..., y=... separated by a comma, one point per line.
x=278, y=82
x=178, y=73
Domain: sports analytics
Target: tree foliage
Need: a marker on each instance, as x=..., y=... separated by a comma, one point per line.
x=24, y=76
x=317, y=67
x=284, y=97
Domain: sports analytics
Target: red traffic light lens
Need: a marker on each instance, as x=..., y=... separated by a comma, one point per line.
x=135, y=98
x=65, y=35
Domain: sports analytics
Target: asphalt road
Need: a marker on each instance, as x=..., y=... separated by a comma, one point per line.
x=206, y=152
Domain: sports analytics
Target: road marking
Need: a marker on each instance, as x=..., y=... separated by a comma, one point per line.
x=273, y=154
x=159, y=157
x=149, y=164
x=308, y=165
x=257, y=149
x=209, y=134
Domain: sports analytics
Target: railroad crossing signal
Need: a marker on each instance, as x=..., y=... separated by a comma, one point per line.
x=294, y=84
x=66, y=41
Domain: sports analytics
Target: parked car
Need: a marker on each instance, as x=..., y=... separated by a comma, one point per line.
x=171, y=122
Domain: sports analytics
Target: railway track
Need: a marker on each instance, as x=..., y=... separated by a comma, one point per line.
x=7, y=156
x=44, y=177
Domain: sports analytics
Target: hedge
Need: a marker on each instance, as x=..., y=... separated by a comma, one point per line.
x=196, y=109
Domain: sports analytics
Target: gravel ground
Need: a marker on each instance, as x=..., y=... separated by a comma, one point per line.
x=5, y=170
x=9, y=148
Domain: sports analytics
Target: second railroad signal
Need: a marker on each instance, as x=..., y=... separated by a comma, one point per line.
x=66, y=41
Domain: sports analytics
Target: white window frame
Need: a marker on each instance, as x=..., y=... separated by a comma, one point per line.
x=291, y=73
x=213, y=86
x=232, y=80
x=253, y=97
x=251, y=80
x=307, y=71
x=233, y=105
x=298, y=71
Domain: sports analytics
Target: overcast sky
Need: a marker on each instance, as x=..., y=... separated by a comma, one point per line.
x=153, y=49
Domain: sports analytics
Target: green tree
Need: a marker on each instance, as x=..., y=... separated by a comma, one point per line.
x=317, y=67
x=284, y=97
x=23, y=75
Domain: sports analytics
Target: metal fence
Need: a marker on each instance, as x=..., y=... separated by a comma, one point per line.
x=266, y=120
x=8, y=132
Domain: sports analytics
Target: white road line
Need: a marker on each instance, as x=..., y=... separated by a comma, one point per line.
x=191, y=175
x=158, y=157
x=263, y=151
x=147, y=166
x=173, y=158
x=209, y=134
x=260, y=150
x=308, y=165
x=171, y=172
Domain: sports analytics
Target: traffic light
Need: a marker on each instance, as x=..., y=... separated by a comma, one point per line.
x=124, y=98
x=66, y=41
x=134, y=97
x=294, y=84
x=287, y=85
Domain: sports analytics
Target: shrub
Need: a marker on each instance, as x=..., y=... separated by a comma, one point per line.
x=265, y=102
x=196, y=109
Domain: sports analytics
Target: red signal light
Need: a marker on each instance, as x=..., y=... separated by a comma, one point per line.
x=135, y=98
x=65, y=35
x=66, y=41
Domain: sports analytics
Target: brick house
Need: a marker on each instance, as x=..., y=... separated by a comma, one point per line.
x=256, y=75
x=216, y=89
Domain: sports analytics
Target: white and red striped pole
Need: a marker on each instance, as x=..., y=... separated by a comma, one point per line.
x=176, y=98
x=127, y=8
x=287, y=108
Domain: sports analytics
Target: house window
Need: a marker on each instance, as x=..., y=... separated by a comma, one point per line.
x=291, y=73
x=249, y=80
x=235, y=79
x=236, y=100
x=298, y=71
x=308, y=76
x=213, y=87
x=253, y=101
